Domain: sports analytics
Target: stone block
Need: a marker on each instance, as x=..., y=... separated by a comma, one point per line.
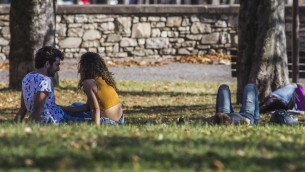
x=2, y=57
x=71, y=50
x=69, y=55
x=128, y=42
x=157, y=43
x=212, y=38
x=116, y=48
x=92, y=49
x=203, y=47
x=183, y=51
x=135, y=20
x=114, y=38
x=221, y=23
x=123, y=24
x=128, y=48
x=208, y=19
x=140, y=53
x=58, y=19
x=91, y=35
x=141, y=30
x=174, y=21
x=172, y=34
x=4, y=42
x=198, y=27
x=120, y=55
x=6, y=32
x=155, y=33
x=61, y=30
x=188, y=44
x=75, y=25
x=148, y=52
x=164, y=34
x=186, y=22
x=81, y=19
x=90, y=44
x=178, y=40
x=70, y=42
x=75, y=32
x=68, y=18
x=108, y=26
x=195, y=19
x=90, y=26
x=160, y=24
x=168, y=51
x=141, y=41
x=101, y=49
x=143, y=19
x=5, y=17
x=109, y=49
x=194, y=37
x=225, y=38
x=153, y=19
x=6, y=50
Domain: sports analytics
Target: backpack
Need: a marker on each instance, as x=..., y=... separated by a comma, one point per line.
x=299, y=98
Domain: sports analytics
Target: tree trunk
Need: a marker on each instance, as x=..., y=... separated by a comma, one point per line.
x=262, y=46
x=32, y=25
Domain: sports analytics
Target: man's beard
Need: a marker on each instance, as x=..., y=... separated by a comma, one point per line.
x=50, y=72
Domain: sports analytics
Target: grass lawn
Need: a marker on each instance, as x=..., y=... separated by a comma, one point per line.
x=150, y=140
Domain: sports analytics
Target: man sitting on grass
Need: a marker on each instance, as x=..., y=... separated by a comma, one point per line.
x=37, y=96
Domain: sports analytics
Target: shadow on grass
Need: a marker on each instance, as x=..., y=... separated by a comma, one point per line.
x=165, y=93
x=148, y=93
x=153, y=153
x=167, y=109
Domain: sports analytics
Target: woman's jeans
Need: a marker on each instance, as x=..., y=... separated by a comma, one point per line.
x=86, y=116
x=249, y=108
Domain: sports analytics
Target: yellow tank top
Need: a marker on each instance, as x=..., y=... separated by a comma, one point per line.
x=107, y=97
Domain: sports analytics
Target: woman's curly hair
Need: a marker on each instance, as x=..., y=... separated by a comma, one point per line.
x=91, y=66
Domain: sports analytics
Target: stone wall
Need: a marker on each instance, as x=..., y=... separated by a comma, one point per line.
x=143, y=31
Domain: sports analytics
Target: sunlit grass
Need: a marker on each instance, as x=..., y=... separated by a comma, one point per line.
x=151, y=140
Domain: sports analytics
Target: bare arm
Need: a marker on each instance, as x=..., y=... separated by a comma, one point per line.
x=21, y=112
x=92, y=100
x=39, y=100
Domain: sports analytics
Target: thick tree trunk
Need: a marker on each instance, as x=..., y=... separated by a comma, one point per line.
x=32, y=25
x=262, y=46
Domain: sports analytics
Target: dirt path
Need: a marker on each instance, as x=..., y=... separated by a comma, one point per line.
x=170, y=72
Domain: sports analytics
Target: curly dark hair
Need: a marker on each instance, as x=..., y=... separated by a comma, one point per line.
x=91, y=66
x=45, y=54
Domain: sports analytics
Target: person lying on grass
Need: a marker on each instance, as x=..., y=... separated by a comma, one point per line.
x=249, y=111
x=289, y=97
x=99, y=86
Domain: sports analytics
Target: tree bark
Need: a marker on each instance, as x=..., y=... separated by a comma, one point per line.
x=262, y=46
x=32, y=25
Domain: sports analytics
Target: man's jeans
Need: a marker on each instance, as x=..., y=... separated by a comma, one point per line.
x=249, y=108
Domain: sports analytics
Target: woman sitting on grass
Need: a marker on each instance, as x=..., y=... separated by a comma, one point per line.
x=100, y=88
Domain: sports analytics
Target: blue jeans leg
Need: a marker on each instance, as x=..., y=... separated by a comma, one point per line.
x=250, y=107
x=285, y=93
x=77, y=116
x=223, y=100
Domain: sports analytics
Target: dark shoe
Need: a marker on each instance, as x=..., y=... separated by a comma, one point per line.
x=283, y=117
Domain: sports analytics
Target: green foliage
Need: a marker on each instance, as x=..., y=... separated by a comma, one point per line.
x=151, y=140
